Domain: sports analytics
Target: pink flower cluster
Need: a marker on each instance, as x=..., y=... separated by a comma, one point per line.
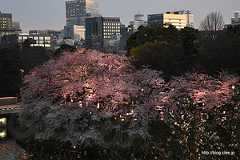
x=107, y=81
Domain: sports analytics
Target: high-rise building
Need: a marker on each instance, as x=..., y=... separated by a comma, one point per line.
x=35, y=40
x=101, y=30
x=76, y=13
x=179, y=19
x=54, y=34
x=5, y=21
x=138, y=21
x=8, y=29
x=79, y=32
x=155, y=19
x=16, y=25
x=124, y=37
x=235, y=20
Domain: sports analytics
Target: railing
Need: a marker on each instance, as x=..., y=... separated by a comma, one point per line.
x=9, y=105
x=10, y=109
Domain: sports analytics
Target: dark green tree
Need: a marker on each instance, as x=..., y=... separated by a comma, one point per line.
x=10, y=75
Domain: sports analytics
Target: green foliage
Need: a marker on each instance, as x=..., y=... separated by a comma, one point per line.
x=189, y=48
x=151, y=34
x=163, y=55
x=64, y=48
x=10, y=77
x=189, y=40
x=27, y=43
x=223, y=52
x=14, y=63
x=166, y=49
x=32, y=57
x=236, y=95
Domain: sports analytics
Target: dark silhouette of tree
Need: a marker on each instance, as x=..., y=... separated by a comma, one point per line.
x=32, y=57
x=28, y=42
x=212, y=23
x=166, y=49
x=189, y=37
x=10, y=75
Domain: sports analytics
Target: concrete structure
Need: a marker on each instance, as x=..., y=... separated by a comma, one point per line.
x=35, y=40
x=100, y=30
x=16, y=26
x=139, y=20
x=179, y=19
x=124, y=37
x=75, y=32
x=76, y=13
x=79, y=32
x=9, y=105
x=113, y=45
x=8, y=27
x=9, y=109
x=5, y=21
x=235, y=20
x=94, y=33
x=9, y=41
x=155, y=19
x=53, y=34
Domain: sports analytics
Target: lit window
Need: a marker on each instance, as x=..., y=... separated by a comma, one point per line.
x=3, y=121
x=3, y=134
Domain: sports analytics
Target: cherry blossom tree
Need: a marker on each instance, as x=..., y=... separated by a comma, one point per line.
x=94, y=100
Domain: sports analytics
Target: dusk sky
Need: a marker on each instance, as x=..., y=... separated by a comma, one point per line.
x=50, y=14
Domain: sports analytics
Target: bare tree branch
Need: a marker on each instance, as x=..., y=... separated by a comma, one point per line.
x=212, y=23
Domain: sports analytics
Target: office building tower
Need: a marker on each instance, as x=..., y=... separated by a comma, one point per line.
x=8, y=28
x=5, y=21
x=76, y=12
x=16, y=26
x=179, y=19
x=138, y=21
x=101, y=30
x=35, y=40
x=235, y=20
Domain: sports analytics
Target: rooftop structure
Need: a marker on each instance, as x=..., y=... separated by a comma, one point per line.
x=5, y=21
x=76, y=11
x=35, y=40
x=99, y=30
x=139, y=20
x=235, y=20
x=179, y=19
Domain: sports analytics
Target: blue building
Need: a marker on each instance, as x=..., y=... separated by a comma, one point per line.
x=101, y=30
x=76, y=13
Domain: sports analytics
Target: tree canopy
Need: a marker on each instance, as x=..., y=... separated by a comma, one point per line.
x=176, y=52
x=89, y=101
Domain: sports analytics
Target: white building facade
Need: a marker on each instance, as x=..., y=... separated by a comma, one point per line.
x=37, y=40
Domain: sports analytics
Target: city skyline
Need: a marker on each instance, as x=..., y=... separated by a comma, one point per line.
x=51, y=14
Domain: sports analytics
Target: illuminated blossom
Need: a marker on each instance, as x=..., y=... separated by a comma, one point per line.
x=91, y=95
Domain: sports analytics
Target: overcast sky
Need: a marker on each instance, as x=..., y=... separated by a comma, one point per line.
x=50, y=14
